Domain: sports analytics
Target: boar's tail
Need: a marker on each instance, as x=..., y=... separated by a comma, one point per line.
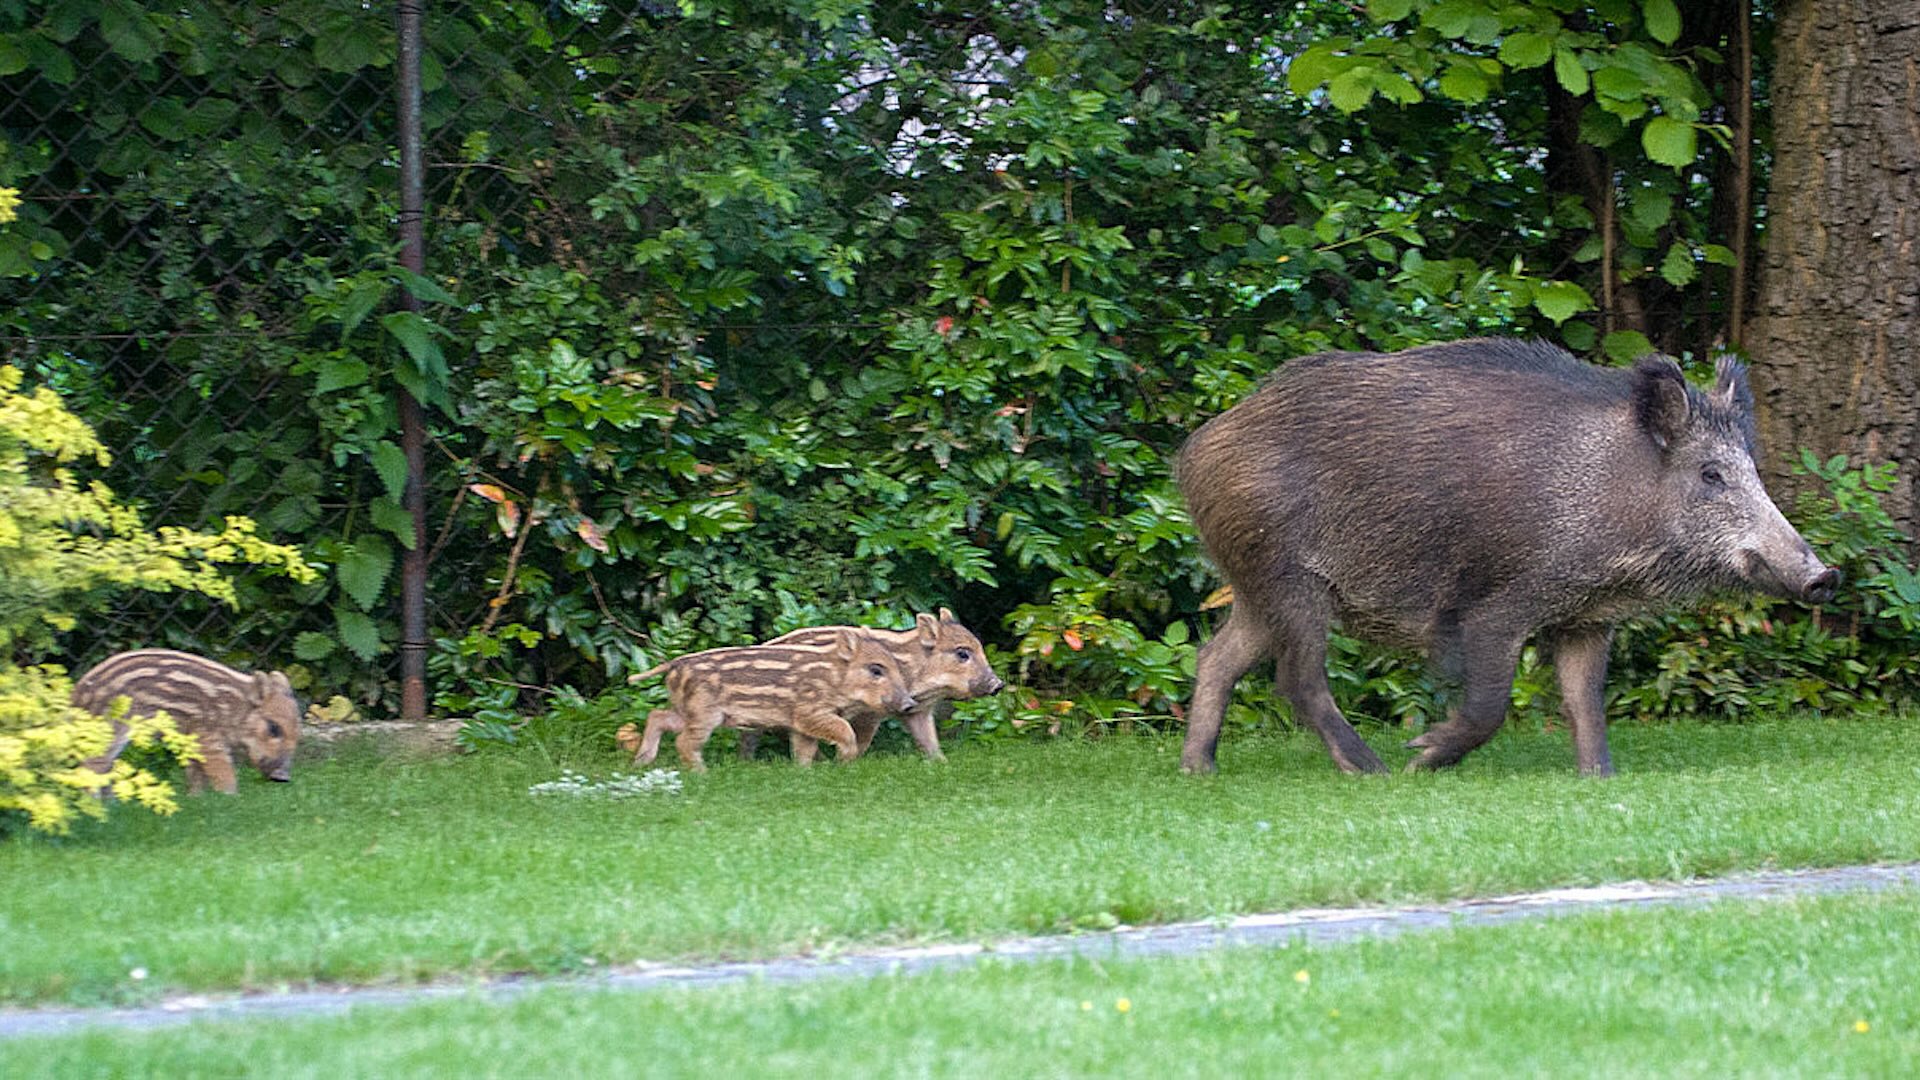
x=649, y=673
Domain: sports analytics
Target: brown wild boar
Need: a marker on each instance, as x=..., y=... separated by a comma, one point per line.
x=941, y=660
x=1466, y=498
x=229, y=710
x=809, y=690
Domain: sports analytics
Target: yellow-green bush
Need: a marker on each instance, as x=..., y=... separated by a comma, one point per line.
x=64, y=545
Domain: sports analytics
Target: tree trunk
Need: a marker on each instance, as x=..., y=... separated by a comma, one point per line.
x=1836, y=333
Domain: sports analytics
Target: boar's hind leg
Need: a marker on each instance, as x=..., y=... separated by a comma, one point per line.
x=1487, y=663
x=215, y=768
x=659, y=722
x=1580, y=663
x=1300, y=671
x=1240, y=643
x=696, y=727
x=749, y=743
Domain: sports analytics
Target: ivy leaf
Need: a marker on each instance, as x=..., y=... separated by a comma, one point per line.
x=1663, y=20
x=1670, y=142
x=363, y=569
x=360, y=634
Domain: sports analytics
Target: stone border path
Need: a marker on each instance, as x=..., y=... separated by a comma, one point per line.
x=1312, y=925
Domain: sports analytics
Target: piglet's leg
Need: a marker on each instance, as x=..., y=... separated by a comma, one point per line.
x=215, y=768
x=919, y=724
x=828, y=727
x=805, y=748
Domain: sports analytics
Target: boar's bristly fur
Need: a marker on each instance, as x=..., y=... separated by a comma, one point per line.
x=941, y=659
x=1461, y=498
x=229, y=710
x=813, y=691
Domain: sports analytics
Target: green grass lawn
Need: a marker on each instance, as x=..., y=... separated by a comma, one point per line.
x=364, y=870
x=1804, y=988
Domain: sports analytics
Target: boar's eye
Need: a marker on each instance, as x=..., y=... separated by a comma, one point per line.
x=273, y=729
x=1711, y=476
x=963, y=654
x=876, y=671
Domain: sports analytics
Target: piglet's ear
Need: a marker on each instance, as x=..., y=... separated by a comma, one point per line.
x=844, y=644
x=263, y=686
x=929, y=628
x=1730, y=389
x=1660, y=399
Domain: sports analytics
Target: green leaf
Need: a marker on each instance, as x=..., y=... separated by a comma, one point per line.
x=13, y=57
x=1386, y=11
x=359, y=304
x=565, y=365
x=390, y=515
x=129, y=31
x=165, y=117
x=1464, y=82
x=1351, y=89
x=1625, y=346
x=1670, y=142
x=1717, y=254
x=338, y=373
x=1561, y=300
x=360, y=634
x=363, y=568
x=312, y=645
x=1663, y=20
x=1571, y=73
x=416, y=335
x=1650, y=207
x=422, y=287
x=1526, y=50
x=1678, y=267
x=1315, y=66
x=391, y=463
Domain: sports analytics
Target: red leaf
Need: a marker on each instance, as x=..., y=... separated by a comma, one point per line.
x=591, y=534
x=1073, y=640
x=489, y=492
x=943, y=325
x=508, y=515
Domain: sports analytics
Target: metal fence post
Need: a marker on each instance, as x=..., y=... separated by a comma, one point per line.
x=413, y=566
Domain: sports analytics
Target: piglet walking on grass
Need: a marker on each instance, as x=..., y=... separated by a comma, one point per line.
x=814, y=692
x=1462, y=498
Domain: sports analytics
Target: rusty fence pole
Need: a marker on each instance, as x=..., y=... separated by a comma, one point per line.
x=413, y=425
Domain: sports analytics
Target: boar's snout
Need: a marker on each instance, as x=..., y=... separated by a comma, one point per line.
x=994, y=685
x=1819, y=588
x=905, y=703
x=280, y=774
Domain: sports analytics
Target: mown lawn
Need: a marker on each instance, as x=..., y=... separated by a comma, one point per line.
x=373, y=871
x=1805, y=988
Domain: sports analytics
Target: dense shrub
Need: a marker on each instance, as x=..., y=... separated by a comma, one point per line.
x=65, y=547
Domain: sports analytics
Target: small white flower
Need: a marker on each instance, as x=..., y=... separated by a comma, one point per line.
x=137, y=974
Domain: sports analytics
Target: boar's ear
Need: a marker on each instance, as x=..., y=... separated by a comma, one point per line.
x=946, y=615
x=263, y=688
x=1730, y=389
x=1660, y=399
x=844, y=644
x=929, y=628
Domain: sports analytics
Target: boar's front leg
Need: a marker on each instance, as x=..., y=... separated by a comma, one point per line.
x=1580, y=663
x=215, y=768
x=697, y=726
x=1488, y=659
x=825, y=725
x=919, y=724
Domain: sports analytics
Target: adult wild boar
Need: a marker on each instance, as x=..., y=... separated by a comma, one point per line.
x=1462, y=498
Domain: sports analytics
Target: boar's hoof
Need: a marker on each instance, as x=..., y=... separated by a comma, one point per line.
x=1197, y=766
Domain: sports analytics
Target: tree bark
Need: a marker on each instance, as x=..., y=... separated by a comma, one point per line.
x=1836, y=331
